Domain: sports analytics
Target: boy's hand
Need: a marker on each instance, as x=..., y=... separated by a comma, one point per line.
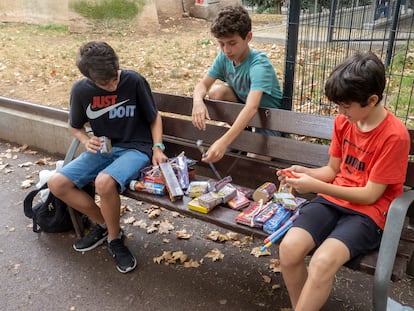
x=215, y=152
x=158, y=156
x=93, y=144
x=199, y=114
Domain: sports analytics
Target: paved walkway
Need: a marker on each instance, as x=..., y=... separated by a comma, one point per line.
x=43, y=272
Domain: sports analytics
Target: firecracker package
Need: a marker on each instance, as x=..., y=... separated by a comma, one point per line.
x=212, y=199
x=227, y=192
x=222, y=182
x=181, y=170
x=264, y=192
x=195, y=206
x=197, y=188
x=267, y=213
x=173, y=187
x=147, y=186
x=279, y=217
x=246, y=217
x=239, y=201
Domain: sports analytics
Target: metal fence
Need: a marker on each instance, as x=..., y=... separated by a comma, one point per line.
x=317, y=42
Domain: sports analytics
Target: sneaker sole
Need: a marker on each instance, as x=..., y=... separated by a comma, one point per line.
x=129, y=268
x=97, y=243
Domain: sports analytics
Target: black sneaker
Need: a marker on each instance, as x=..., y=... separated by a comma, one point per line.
x=125, y=261
x=96, y=236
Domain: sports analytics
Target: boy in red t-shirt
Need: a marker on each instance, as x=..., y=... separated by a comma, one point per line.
x=365, y=172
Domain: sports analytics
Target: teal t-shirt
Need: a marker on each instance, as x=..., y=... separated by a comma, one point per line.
x=256, y=72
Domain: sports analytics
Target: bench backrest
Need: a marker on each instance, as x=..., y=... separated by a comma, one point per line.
x=306, y=142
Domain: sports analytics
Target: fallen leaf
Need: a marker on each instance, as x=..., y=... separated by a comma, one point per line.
x=274, y=265
x=191, y=264
x=152, y=229
x=258, y=253
x=27, y=183
x=217, y=236
x=215, y=254
x=165, y=227
x=129, y=220
x=140, y=223
x=154, y=214
x=182, y=234
x=26, y=164
x=277, y=286
x=267, y=279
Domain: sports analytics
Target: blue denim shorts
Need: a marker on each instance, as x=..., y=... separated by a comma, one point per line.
x=122, y=164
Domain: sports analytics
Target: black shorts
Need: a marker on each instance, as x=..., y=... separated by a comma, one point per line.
x=323, y=219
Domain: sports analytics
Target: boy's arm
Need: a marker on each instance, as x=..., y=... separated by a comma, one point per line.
x=158, y=155
x=200, y=112
x=91, y=143
x=217, y=150
x=318, y=180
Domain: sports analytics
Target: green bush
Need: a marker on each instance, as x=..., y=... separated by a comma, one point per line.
x=108, y=9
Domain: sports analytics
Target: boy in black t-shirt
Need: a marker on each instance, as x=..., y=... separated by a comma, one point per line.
x=118, y=105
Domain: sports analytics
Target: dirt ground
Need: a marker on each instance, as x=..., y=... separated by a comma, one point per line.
x=37, y=63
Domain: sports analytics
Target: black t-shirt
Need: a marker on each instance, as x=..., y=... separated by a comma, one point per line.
x=124, y=115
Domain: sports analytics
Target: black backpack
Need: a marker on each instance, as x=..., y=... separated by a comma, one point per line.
x=52, y=215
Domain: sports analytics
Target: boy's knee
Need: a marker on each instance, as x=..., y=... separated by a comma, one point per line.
x=57, y=184
x=104, y=183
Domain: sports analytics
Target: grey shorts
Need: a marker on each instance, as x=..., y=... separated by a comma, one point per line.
x=323, y=219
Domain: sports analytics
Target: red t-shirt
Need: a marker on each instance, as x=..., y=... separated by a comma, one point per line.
x=380, y=155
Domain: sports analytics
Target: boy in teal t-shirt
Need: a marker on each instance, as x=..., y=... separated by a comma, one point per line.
x=248, y=74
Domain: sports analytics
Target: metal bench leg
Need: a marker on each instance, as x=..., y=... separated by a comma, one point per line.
x=74, y=216
x=388, y=248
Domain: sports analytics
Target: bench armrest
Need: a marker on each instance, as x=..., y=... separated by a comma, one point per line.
x=70, y=153
x=389, y=246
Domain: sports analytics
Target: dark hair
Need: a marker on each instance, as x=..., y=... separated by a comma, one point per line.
x=97, y=61
x=356, y=79
x=231, y=20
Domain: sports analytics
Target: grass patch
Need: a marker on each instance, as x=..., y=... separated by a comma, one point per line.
x=54, y=27
x=108, y=9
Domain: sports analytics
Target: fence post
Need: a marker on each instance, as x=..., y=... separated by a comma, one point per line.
x=291, y=52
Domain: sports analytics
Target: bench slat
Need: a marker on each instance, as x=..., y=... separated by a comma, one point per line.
x=275, y=147
x=275, y=119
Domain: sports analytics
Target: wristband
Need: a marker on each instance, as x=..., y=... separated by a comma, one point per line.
x=159, y=145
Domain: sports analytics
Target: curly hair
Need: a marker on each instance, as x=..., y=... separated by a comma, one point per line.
x=356, y=79
x=231, y=20
x=97, y=61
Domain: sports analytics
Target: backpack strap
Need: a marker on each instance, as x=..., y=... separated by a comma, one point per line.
x=28, y=201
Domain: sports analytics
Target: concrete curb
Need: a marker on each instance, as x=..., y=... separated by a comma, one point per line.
x=40, y=127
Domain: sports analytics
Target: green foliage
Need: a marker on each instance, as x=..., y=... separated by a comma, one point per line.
x=270, y=6
x=273, y=6
x=108, y=9
x=54, y=27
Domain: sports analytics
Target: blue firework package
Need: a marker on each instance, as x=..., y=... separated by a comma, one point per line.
x=278, y=219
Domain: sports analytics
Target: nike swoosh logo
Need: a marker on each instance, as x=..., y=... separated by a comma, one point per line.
x=96, y=114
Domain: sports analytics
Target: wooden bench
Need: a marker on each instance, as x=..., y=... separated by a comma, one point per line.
x=306, y=142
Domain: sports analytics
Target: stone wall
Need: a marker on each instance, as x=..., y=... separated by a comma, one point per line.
x=59, y=12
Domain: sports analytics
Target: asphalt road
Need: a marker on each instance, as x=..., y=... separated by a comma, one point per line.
x=43, y=272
